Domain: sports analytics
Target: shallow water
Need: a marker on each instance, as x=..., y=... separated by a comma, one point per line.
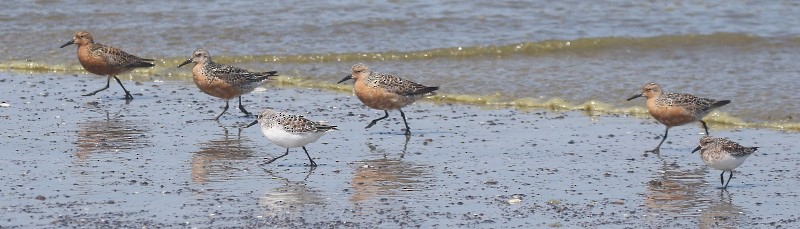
x=528, y=54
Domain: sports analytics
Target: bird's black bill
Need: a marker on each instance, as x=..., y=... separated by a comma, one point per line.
x=252, y=123
x=68, y=43
x=696, y=149
x=635, y=96
x=185, y=63
x=346, y=78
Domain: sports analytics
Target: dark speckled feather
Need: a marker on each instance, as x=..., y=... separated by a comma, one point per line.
x=734, y=149
x=689, y=102
x=292, y=123
x=234, y=75
x=397, y=85
x=116, y=58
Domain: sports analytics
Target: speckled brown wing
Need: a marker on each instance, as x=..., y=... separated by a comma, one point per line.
x=235, y=75
x=299, y=124
x=400, y=86
x=734, y=148
x=116, y=58
x=687, y=101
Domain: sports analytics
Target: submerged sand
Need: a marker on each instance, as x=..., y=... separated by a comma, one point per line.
x=73, y=161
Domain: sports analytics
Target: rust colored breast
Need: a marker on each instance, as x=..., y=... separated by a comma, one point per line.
x=670, y=115
x=213, y=86
x=95, y=64
x=377, y=98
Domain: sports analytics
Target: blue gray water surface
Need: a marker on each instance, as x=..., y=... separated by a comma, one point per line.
x=574, y=51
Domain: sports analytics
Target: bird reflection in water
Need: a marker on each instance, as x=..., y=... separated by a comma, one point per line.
x=388, y=175
x=220, y=158
x=291, y=199
x=722, y=213
x=101, y=139
x=111, y=133
x=675, y=190
x=679, y=192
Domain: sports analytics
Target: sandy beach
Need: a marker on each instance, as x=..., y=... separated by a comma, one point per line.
x=73, y=161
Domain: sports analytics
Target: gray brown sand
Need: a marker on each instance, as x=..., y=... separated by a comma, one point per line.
x=73, y=161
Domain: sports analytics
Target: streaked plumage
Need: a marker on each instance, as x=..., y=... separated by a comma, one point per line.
x=105, y=60
x=290, y=131
x=386, y=92
x=224, y=81
x=723, y=154
x=676, y=109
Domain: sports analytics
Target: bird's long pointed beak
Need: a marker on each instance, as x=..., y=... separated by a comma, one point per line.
x=346, y=78
x=635, y=96
x=185, y=62
x=68, y=43
x=252, y=123
x=696, y=149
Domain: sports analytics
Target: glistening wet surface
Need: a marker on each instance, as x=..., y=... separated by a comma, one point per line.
x=99, y=161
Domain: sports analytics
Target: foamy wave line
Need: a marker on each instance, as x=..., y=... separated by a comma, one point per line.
x=722, y=119
x=489, y=101
x=536, y=48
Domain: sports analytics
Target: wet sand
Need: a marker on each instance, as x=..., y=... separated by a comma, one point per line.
x=73, y=161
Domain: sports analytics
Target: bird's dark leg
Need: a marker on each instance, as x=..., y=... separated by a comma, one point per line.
x=722, y=179
x=730, y=176
x=223, y=111
x=108, y=81
x=408, y=129
x=705, y=127
x=658, y=148
x=313, y=164
x=128, y=95
x=376, y=120
x=276, y=158
x=241, y=108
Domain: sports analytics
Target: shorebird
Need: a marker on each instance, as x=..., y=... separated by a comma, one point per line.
x=105, y=60
x=676, y=109
x=723, y=154
x=290, y=131
x=386, y=92
x=224, y=81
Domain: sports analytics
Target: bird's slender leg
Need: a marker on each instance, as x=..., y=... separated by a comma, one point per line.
x=705, y=127
x=128, y=95
x=730, y=176
x=376, y=120
x=313, y=164
x=722, y=178
x=276, y=158
x=108, y=81
x=658, y=148
x=223, y=111
x=241, y=108
x=408, y=129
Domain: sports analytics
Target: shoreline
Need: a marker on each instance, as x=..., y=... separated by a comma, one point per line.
x=718, y=118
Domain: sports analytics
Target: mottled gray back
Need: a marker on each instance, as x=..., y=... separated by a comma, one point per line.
x=291, y=123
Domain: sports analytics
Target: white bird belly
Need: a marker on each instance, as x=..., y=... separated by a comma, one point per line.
x=726, y=163
x=285, y=139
